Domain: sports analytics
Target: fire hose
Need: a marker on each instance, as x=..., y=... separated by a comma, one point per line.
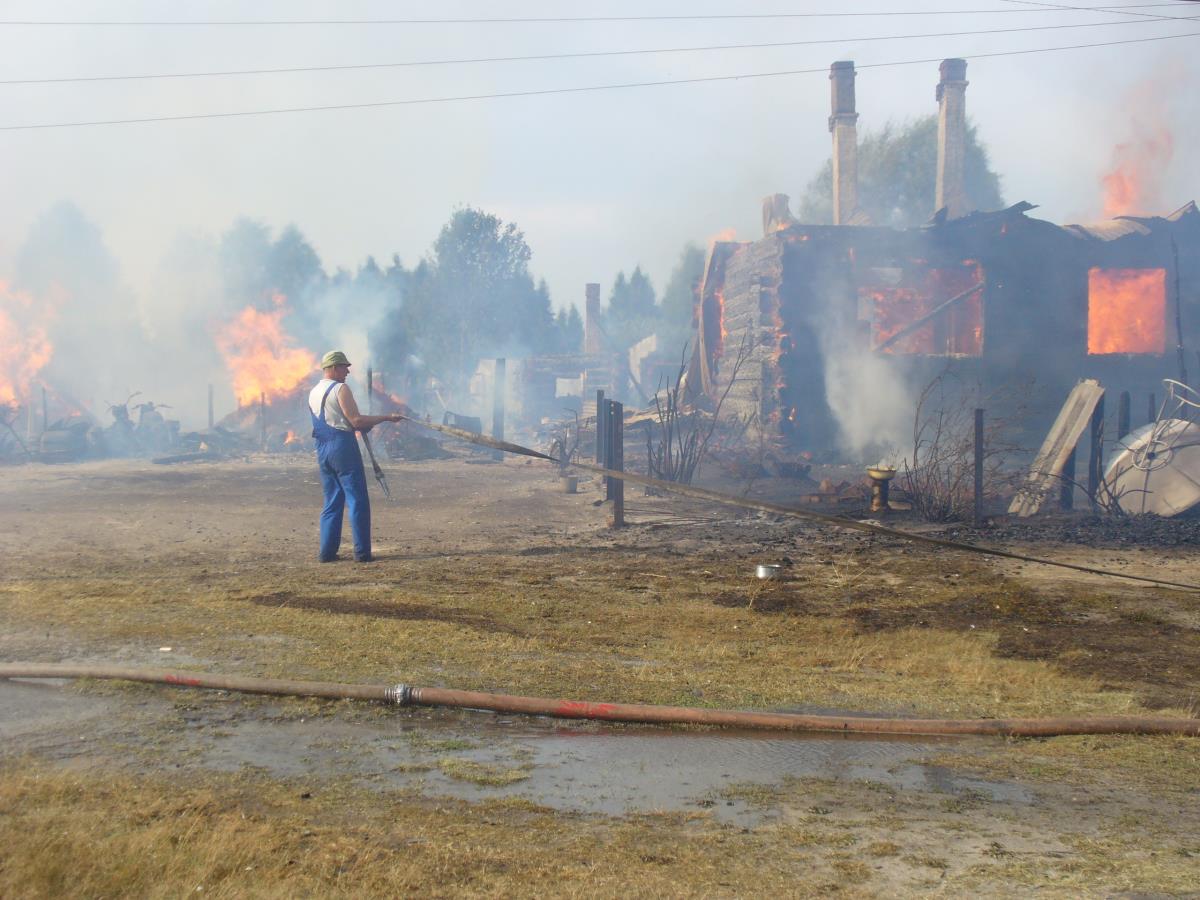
x=410, y=695
x=688, y=490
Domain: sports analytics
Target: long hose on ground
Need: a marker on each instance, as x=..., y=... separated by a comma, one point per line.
x=408, y=695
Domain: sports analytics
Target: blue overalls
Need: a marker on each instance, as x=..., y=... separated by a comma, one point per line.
x=342, y=479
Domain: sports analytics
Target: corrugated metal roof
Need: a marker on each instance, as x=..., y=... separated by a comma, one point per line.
x=1111, y=230
x=1184, y=212
x=1122, y=226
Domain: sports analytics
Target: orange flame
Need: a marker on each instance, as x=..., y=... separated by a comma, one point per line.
x=1127, y=310
x=1132, y=187
x=24, y=347
x=1141, y=163
x=956, y=331
x=260, y=354
x=290, y=438
x=400, y=403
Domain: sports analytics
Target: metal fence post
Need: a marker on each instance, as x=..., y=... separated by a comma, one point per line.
x=1096, y=454
x=1123, y=414
x=979, y=467
x=499, y=385
x=1066, y=494
x=601, y=438
x=615, y=428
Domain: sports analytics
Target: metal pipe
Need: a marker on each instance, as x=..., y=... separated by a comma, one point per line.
x=406, y=695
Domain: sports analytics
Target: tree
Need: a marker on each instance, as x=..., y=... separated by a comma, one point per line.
x=245, y=253
x=632, y=311
x=392, y=342
x=254, y=268
x=897, y=172
x=293, y=267
x=474, y=297
x=535, y=322
x=568, y=326
x=679, y=297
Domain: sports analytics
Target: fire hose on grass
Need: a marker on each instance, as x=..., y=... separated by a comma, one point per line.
x=410, y=695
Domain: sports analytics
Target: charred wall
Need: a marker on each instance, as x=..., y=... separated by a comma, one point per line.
x=803, y=292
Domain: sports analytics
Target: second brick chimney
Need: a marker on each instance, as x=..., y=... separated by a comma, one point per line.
x=951, y=191
x=843, y=126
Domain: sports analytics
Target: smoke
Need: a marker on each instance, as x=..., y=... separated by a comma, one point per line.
x=871, y=402
x=1142, y=163
x=242, y=311
x=341, y=316
x=869, y=396
x=89, y=316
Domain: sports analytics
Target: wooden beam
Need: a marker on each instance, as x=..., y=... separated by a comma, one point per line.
x=1051, y=460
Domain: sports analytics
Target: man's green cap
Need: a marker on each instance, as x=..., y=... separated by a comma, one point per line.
x=334, y=358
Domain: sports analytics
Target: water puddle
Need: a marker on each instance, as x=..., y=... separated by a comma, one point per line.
x=570, y=766
x=31, y=707
x=585, y=767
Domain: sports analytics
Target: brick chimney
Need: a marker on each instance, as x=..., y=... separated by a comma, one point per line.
x=842, y=125
x=952, y=139
x=592, y=342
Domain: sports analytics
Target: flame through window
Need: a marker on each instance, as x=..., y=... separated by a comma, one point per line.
x=1127, y=310
x=923, y=310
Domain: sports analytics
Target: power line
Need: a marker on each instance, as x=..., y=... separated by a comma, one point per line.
x=580, y=55
x=1124, y=11
x=574, y=90
x=167, y=23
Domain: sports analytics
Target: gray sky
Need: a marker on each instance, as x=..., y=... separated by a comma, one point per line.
x=598, y=181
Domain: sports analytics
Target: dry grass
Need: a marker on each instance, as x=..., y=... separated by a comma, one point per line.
x=570, y=634
x=1155, y=766
x=121, y=569
x=75, y=835
x=71, y=836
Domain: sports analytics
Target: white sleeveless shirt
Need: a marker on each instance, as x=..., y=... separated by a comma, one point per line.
x=334, y=417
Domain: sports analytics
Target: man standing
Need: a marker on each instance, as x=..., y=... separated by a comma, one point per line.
x=335, y=418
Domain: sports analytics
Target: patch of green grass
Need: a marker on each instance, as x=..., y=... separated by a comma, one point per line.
x=482, y=773
x=414, y=768
x=751, y=793
x=420, y=742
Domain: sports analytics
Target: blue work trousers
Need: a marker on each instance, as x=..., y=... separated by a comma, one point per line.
x=344, y=481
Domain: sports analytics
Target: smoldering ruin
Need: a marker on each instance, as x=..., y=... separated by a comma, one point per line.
x=813, y=342
x=905, y=482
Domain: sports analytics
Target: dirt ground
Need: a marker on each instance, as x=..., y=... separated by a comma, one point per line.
x=490, y=577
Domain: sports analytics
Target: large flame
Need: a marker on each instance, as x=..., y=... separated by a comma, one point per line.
x=1132, y=187
x=260, y=354
x=24, y=347
x=1140, y=165
x=1127, y=310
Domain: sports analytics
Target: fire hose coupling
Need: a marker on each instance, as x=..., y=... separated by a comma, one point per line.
x=401, y=694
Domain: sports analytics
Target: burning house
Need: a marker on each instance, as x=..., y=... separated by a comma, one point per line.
x=820, y=314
